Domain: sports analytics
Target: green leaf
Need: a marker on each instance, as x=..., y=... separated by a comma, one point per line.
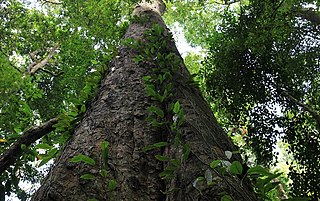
x=164, y=96
x=88, y=176
x=146, y=78
x=176, y=107
x=72, y=114
x=186, y=151
x=83, y=108
x=26, y=109
x=23, y=146
x=155, y=146
x=258, y=170
x=44, y=160
x=138, y=58
x=160, y=144
x=181, y=118
x=269, y=186
x=150, y=90
x=87, y=88
x=128, y=42
x=52, y=152
x=82, y=158
x=104, y=172
x=162, y=158
x=43, y=146
x=226, y=198
x=17, y=129
x=166, y=174
x=105, y=152
x=156, y=110
x=155, y=123
x=160, y=78
x=13, y=136
x=236, y=167
x=176, y=162
x=215, y=163
x=94, y=62
x=112, y=185
x=267, y=180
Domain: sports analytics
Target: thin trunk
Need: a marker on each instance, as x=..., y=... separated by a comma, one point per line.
x=118, y=115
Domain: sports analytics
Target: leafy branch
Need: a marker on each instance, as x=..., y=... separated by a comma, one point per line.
x=30, y=136
x=307, y=108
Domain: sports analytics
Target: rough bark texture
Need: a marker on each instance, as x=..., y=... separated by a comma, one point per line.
x=118, y=115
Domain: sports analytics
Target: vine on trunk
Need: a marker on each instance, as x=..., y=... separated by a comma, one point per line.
x=166, y=113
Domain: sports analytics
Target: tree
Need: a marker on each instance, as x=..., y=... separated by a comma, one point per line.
x=147, y=135
x=267, y=55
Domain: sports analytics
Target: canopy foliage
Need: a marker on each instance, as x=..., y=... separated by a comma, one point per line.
x=262, y=72
x=262, y=57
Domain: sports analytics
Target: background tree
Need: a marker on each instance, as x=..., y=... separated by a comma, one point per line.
x=263, y=71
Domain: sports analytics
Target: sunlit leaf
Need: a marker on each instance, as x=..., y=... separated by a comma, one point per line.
x=82, y=158
x=3, y=140
x=215, y=163
x=176, y=107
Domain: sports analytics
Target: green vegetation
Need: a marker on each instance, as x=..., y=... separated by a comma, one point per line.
x=259, y=71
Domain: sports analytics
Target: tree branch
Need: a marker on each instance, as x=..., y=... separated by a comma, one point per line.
x=225, y=2
x=33, y=55
x=229, y=2
x=51, y=2
x=310, y=15
x=307, y=108
x=30, y=136
x=34, y=66
x=276, y=9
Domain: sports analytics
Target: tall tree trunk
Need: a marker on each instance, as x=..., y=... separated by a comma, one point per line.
x=118, y=115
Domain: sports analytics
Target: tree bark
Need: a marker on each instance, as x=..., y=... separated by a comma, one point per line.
x=118, y=115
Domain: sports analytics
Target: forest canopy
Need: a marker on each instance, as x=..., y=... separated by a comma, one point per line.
x=258, y=69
